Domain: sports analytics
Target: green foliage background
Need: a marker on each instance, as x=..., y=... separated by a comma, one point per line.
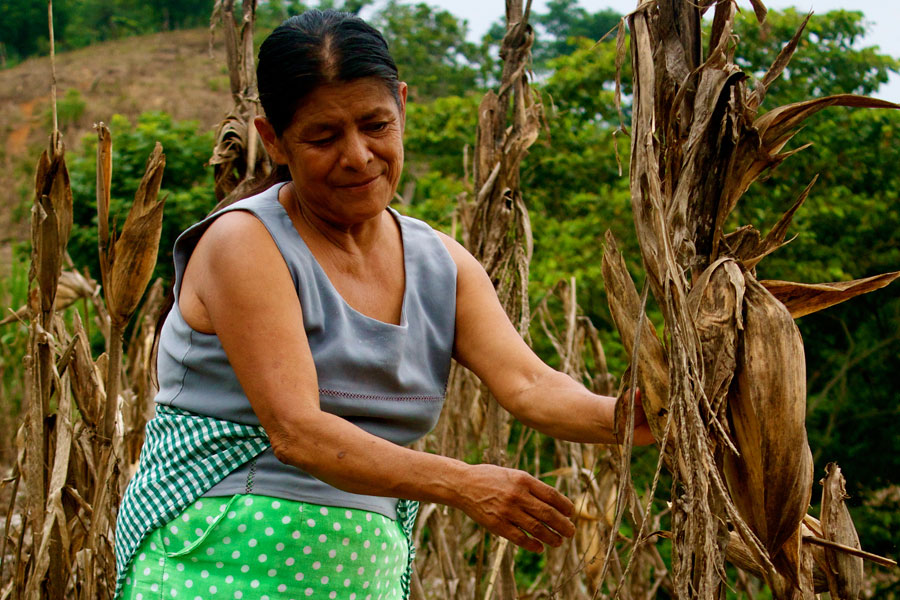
x=847, y=229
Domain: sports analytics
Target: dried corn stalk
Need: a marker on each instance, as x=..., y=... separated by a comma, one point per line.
x=497, y=231
x=71, y=453
x=238, y=157
x=733, y=358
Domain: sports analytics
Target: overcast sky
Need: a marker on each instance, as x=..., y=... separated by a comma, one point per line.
x=883, y=17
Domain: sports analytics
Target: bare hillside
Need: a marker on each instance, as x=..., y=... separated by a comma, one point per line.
x=172, y=72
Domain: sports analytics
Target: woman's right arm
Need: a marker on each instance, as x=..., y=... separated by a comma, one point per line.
x=238, y=278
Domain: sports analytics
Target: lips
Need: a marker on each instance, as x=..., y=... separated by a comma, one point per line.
x=358, y=184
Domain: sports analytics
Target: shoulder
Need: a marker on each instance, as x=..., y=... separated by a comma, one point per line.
x=466, y=264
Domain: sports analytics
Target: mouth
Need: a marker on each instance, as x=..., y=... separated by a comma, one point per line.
x=359, y=185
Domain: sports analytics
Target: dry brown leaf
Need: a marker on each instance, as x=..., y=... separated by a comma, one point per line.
x=625, y=306
x=806, y=298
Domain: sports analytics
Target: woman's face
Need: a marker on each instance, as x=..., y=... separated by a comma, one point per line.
x=344, y=149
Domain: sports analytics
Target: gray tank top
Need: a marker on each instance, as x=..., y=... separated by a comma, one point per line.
x=389, y=380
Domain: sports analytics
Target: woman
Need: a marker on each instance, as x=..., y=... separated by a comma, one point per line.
x=310, y=342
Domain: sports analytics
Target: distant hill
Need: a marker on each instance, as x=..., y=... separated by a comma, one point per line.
x=172, y=72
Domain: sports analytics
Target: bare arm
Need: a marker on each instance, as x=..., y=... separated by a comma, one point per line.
x=536, y=394
x=242, y=282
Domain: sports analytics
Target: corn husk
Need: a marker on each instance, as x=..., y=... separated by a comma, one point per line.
x=802, y=299
x=134, y=252
x=844, y=571
x=771, y=478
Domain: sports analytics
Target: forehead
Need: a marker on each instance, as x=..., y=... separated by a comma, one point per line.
x=337, y=102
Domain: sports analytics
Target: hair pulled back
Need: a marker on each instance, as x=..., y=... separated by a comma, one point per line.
x=316, y=48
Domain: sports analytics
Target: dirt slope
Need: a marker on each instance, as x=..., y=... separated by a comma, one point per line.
x=173, y=72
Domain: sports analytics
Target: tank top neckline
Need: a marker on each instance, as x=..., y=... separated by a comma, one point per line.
x=289, y=224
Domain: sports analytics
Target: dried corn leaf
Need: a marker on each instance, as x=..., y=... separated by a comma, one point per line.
x=777, y=67
x=625, y=307
x=806, y=298
x=778, y=125
x=771, y=479
x=844, y=572
x=716, y=302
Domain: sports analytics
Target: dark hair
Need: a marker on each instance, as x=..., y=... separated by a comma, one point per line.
x=309, y=50
x=316, y=48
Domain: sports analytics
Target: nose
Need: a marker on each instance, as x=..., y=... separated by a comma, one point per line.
x=356, y=154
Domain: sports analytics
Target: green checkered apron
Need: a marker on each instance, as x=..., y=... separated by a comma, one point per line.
x=184, y=455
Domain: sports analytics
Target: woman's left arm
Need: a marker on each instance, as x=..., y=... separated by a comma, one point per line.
x=536, y=394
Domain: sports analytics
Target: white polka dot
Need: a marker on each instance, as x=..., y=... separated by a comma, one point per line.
x=324, y=579
x=282, y=587
x=279, y=546
x=165, y=576
x=296, y=535
x=285, y=520
x=263, y=558
x=213, y=589
x=142, y=556
x=346, y=583
x=180, y=566
x=332, y=595
x=188, y=583
x=368, y=516
x=383, y=546
x=154, y=587
x=323, y=510
x=276, y=504
x=204, y=574
x=187, y=543
x=345, y=541
x=140, y=597
x=254, y=584
x=366, y=544
x=245, y=568
x=166, y=541
x=226, y=540
x=239, y=594
x=348, y=514
x=229, y=579
x=339, y=568
x=147, y=571
x=242, y=528
x=258, y=516
x=353, y=556
x=307, y=550
x=337, y=526
x=269, y=531
x=198, y=532
x=271, y=572
x=252, y=543
x=173, y=593
x=373, y=558
x=219, y=565
x=299, y=576
x=308, y=592
x=236, y=554
x=358, y=529
x=365, y=585
x=332, y=553
x=317, y=565
x=289, y=562
x=222, y=507
x=323, y=538
x=377, y=531
x=248, y=501
x=173, y=529
x=184, y=518
x=360, y=571
x=231, y=514
x=353, y=596
x=311, y=522
x=153, y=545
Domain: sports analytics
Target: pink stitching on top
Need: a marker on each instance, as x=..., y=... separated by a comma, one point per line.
x=356, y=396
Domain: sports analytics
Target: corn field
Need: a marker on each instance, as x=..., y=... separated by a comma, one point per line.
x=723, y=387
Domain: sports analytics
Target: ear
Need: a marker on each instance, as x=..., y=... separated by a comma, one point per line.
x=402, y=90
x=270, y=140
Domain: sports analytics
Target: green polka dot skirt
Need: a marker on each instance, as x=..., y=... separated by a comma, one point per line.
x=263, y=548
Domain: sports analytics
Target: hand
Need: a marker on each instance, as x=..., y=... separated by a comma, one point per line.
x=515, y=505
x=642, y=433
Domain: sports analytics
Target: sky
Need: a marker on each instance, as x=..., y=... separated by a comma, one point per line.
x=883, y=17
